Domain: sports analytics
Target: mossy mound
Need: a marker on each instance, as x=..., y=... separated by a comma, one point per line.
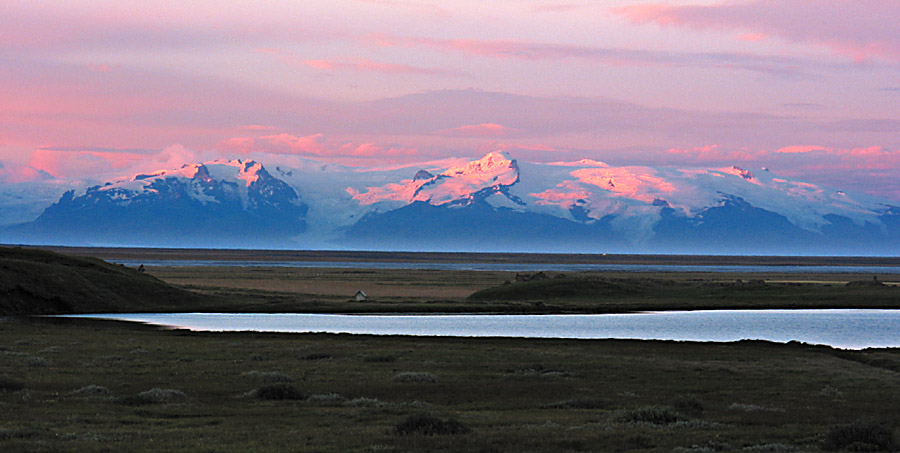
x=36, y=281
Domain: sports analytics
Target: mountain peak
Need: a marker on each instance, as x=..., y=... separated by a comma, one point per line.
x=456, y=185
x=492, y=163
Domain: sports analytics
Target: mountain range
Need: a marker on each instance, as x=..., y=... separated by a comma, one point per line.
x=491, y=204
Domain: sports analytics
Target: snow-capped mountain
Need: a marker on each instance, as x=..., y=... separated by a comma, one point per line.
x=208, y=204
x=491, y=204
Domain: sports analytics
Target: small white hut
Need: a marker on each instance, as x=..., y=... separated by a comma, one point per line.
x=360, y=296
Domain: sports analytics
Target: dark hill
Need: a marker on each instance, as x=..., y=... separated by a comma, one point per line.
x=42, y=282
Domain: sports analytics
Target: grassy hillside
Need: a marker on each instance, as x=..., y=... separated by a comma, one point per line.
x=41, y=282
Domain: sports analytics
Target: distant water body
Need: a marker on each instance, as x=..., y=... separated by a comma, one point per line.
x=846, y=329
x=521, y=267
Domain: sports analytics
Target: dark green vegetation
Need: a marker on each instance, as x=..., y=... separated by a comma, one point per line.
x=568, y=293
x=73, y=385
x=40, y=282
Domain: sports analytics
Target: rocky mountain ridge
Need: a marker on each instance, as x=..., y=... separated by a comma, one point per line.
x=489, y=204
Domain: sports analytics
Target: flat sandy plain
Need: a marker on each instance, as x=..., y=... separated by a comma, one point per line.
x=69, y=385
x=330, y=289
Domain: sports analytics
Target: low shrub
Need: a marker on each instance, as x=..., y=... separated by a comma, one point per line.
x=317, y=356
x=859, y=436
x=271, y=377
x=380, y=358
x=753, y=408
x=653, y=415
x=327, y=398
x=280, y=391
x=706, y=447
x=580, y=403
x=154, y=396
x=38, y=362
x=770, y=447
x=429, y=424
x=10, y=385
x=92, y=391
x=17, y=434
x=415, y=377
x=688, y=405
x=365, y=402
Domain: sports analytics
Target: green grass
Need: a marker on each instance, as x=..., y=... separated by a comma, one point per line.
x=189, y=392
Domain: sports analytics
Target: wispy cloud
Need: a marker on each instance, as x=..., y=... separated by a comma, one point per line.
x=356, y=65
x=315, y=145
x=860, y=30
x=611, y=56
x=478, y=130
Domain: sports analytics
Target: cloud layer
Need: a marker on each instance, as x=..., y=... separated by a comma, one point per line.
x=91, y=90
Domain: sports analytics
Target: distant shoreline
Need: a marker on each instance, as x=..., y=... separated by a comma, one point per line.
x=148, y=253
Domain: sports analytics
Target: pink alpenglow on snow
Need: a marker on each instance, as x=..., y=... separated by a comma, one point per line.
x=492, y=171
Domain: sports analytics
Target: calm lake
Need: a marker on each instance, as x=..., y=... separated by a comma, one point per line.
x=847, y=329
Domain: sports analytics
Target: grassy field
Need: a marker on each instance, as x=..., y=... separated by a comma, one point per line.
x=103, y=386
x=37, y=281
x=272, y=289
x=77, y=385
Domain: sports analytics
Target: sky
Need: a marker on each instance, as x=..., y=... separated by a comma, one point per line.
x=808, y=89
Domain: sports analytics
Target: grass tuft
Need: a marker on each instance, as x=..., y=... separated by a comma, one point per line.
x=380, y=358
x=410, y=376
x=653, y=415
x=580, y=403
x=327, y=399
x=688, y=405
x=155, y=396
x=10, y=385
x=92, y=390
x=38, y=362
x=429, y=424
x=271, y=377
x=279, y=392
x=859, y=436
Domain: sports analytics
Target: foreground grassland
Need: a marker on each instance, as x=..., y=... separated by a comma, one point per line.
x=79, y=386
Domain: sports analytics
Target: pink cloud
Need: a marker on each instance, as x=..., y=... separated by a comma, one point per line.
x=240, y=145
x=535, y=51
x=478, y=130
x=12, y=173
x=69, y=164
x=258, y=127
x=800, y=149
x=313, y=145
x=715, y=153
x=753, y=37
x=856, y=29
x=292, y=144
x=356, y=65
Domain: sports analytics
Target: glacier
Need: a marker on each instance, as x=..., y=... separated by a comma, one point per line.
x=494, y=203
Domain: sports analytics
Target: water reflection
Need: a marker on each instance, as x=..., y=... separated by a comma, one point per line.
x=849, y=329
